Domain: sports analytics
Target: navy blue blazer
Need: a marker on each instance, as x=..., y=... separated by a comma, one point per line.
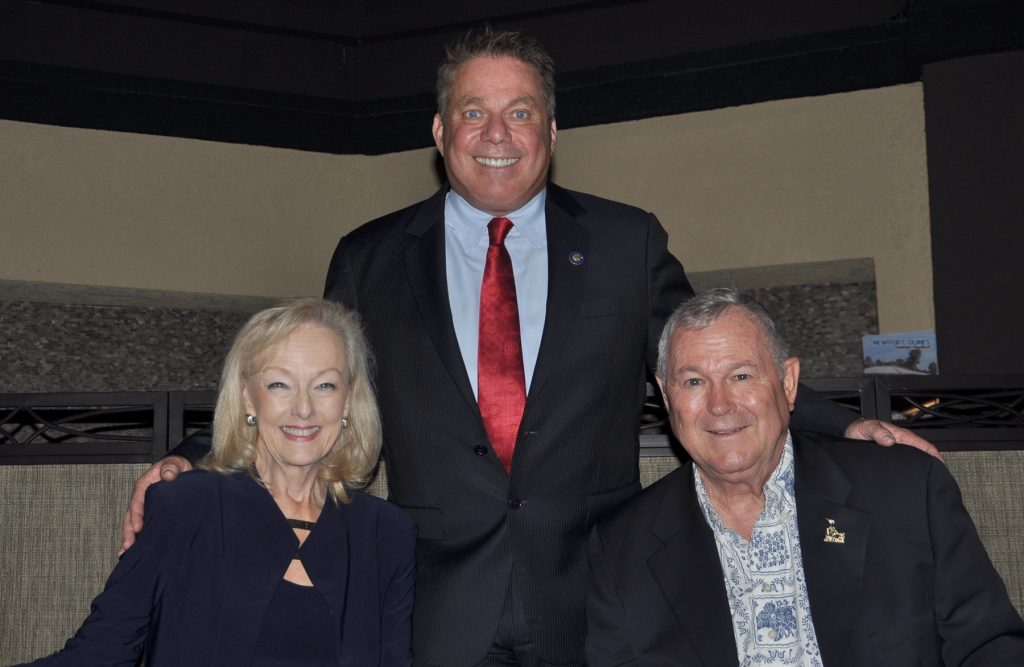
x=911, y=585
x=195, y=587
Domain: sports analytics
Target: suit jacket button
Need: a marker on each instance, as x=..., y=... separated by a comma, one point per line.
x=479, y=450
x=515, y=503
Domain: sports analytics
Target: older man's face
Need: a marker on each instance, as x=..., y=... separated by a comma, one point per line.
x=727, y=404
x=497, y=139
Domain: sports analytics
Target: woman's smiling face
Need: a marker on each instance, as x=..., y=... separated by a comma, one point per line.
x=300, y=397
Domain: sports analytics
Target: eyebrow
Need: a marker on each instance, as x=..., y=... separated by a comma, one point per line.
x=528, y=100
x=287, y=372
x=732, y=367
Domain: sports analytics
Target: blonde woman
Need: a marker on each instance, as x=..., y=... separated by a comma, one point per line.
x=267, y=555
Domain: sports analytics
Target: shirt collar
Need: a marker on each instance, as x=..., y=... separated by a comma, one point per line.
x=779, y=490
x=469, y=224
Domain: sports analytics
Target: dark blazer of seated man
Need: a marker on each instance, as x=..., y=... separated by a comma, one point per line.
x=785, y=550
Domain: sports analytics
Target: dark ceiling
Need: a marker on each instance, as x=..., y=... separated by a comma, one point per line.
x=357, y=76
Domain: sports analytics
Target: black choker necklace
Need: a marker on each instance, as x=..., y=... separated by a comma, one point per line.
x=300, y=524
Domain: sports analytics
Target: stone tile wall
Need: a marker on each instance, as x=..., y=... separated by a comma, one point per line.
x=53, y=347
x=823, y=324
x=50, y=347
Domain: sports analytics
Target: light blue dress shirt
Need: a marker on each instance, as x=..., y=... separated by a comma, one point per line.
x=465, y=250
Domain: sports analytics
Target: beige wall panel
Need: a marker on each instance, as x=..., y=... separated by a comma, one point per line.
x=787, y=182
x=127, y=210
x=812, y=179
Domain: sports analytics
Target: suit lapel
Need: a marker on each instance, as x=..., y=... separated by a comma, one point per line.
x=689, y=574
x=326, y=555
x=259, y=553
x=428, y=279
x=425, y=266
x=565, y=238
x=834, y=572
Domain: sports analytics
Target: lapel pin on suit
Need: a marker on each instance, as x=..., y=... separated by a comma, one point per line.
x=832, y=534
x=576, y=258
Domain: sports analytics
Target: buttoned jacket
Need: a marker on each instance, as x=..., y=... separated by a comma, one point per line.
x=611, y=285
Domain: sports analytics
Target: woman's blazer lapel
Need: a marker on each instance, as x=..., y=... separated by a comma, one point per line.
x=255, y=559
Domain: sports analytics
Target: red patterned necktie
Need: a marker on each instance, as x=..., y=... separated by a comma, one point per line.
x=501, y=382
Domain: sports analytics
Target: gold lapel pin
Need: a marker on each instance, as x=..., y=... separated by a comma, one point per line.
x=832, y=535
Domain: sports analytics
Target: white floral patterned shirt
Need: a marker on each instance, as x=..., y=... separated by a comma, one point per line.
x=764, y=578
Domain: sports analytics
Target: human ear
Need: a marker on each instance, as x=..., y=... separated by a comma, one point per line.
x=664, y=395
x=438, y=131
x=791, y=379
x=250, y=405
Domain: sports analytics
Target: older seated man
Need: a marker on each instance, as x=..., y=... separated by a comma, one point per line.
x=778, y=548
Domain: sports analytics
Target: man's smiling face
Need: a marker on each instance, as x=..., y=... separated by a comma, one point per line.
x=727, y=403
x=497, y=139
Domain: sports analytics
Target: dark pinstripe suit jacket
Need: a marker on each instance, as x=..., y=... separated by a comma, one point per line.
x=576, y=454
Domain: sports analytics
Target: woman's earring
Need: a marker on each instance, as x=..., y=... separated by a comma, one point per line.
x=344, y=422
x=250, y=420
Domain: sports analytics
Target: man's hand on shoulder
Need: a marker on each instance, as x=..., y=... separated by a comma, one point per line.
x=166, y=469
x=887, y=434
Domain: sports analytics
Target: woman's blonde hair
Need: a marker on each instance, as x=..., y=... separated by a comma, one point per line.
x=353, y=457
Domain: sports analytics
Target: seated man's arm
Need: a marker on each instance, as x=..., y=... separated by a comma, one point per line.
x=180, y=459
x=977, y=623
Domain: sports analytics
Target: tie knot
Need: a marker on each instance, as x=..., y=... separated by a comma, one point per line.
x=498, y=229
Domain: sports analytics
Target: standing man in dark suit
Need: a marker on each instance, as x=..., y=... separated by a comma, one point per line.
x=779, y=549
x=504, y=496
